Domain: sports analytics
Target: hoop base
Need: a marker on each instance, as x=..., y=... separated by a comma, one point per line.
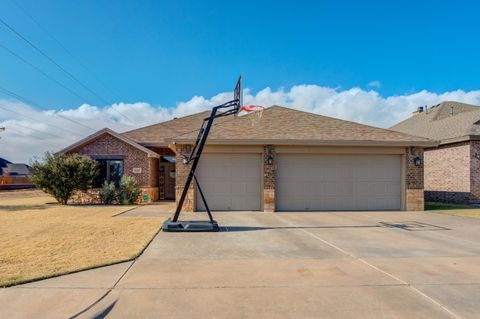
x=190, y=226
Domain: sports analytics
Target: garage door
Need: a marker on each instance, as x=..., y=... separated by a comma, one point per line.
x=338, y=182
x=230, y=181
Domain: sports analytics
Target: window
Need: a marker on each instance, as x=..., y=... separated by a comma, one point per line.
x=110, y=170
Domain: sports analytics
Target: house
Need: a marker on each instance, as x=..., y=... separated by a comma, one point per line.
x=3, y=165
x=289, y=161
x=16, y=169
x=452, y=169
x=14, y=175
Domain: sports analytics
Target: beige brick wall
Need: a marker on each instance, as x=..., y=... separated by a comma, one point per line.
x=448, y=173
x=447, y=168
x=414, y=179
x=181, y=174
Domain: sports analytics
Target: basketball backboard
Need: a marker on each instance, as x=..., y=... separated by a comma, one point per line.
x=238, y=94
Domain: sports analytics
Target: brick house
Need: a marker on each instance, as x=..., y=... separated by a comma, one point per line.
x=289, y=161
x=452, y=169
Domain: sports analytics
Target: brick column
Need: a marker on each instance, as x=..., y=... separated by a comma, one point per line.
x=269, y=178
x=474, y=171
x=414, y=180
x=181, y=174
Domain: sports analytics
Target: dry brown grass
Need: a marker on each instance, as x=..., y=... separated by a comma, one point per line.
x=39, y=240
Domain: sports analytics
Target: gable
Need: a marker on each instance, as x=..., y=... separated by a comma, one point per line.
x=105, y=140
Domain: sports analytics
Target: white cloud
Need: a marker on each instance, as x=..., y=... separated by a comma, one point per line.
x=30, y=136
x=375, y=84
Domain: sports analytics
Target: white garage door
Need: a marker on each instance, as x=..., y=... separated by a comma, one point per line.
x=338, y=182
x=230, y=181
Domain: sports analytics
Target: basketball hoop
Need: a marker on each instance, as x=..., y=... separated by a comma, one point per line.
x=255, y=113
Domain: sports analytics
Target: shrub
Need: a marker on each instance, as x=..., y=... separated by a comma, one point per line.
x=61, y=175
x=128, y=192
x=108, y=194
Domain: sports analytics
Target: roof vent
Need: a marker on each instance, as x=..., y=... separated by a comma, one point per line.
x=419, y=110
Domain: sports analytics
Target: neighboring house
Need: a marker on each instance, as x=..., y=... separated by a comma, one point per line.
x=289, y=161
x=452, y=169
x=3, y=165
x=14, y=175
x=16, y=169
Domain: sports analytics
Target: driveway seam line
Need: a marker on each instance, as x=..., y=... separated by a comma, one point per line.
x=96, y=302
x=376, y=268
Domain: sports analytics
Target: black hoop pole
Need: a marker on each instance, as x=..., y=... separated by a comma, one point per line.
x=197, y=152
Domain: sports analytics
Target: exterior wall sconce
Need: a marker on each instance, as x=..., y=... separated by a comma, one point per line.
x=418, y=161
x=270, y=160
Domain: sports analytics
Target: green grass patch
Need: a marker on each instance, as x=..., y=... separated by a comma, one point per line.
x=446, y=206
x=453, y=209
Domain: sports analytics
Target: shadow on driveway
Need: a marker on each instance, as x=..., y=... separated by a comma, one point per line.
x=252, y=228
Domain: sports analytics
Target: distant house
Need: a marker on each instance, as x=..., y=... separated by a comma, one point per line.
x=14, y=175
x=3, y=164
x=16, y=169
x=289, y=161
x=452, y=169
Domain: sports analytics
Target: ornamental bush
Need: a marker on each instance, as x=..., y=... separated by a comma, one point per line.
x=60, y=175
x=108, y=194
x=128, y=192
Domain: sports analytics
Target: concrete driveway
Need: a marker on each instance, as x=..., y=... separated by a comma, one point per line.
x=279, y=265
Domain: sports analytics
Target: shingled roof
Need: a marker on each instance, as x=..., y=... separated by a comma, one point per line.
x=280, y=125
x=157, y=134
x=447, y=122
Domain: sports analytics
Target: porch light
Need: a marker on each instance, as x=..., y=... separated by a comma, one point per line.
x=418, y=161
x=270, y=160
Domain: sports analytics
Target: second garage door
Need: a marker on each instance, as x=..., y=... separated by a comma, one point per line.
x=338, y=182
x=230, y=181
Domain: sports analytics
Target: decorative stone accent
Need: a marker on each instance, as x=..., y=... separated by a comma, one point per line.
x=269, y=178
x=415, y=200
x=181, y=174
x=92, y=196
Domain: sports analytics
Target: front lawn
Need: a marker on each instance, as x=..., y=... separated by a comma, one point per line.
x=39, y=239
x=453, y=209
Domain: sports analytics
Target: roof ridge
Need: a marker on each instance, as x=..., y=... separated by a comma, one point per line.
x=349, y=121
x=218, y=123
x=164, y=122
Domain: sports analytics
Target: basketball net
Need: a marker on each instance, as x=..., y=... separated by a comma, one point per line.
x=255, y=112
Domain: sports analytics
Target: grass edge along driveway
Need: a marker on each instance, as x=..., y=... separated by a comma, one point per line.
x=41, y=240
x=453, y=209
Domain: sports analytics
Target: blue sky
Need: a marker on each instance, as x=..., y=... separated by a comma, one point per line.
x=163, y=52
x=373, y=62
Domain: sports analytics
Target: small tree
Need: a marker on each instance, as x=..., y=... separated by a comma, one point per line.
x=61, y=175
x=128, y=192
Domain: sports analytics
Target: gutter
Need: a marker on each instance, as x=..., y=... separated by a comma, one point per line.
x=427, y=143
